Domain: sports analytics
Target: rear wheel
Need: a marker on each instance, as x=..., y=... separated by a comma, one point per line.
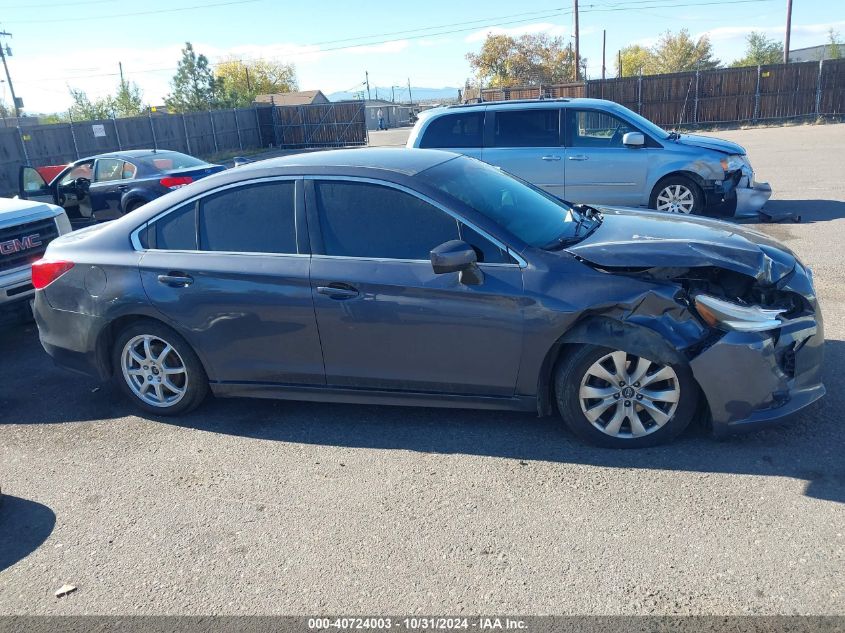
x=677, y=194
x=158, y=370
x=617, y=399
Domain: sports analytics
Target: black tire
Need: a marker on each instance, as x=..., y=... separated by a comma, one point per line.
x=677, y=180
x=194, y=382
x=574, y=367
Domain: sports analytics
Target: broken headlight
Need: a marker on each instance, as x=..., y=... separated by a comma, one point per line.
x=733, y=316
x=733, y=163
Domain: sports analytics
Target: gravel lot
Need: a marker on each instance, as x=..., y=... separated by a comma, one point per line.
x=297, y=508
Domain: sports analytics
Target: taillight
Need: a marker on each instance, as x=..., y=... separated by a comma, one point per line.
x=46, y=271
x=174, y=182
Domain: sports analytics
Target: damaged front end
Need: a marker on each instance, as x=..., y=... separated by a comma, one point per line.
x=759, y=350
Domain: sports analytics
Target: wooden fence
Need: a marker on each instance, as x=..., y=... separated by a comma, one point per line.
x=726, y=95
x=203, y=134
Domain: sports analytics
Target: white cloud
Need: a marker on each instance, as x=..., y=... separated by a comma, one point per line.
x=537, y=27
x=816, y=33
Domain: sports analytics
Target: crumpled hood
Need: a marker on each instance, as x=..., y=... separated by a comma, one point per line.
x=708, y=142
x=637, y=239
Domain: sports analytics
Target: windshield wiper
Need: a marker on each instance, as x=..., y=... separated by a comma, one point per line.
x=583, y=213
x=674, y=136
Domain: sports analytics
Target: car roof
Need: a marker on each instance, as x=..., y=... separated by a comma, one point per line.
x=130, y=153
x=396, y=159
x=522, y=104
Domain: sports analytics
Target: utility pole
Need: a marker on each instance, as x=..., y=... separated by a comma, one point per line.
x=248, y=82
x=788, y=31
x=603, y=47
x=120, y=67
x=3, y=53
x=619, y=66
x=577, y=45
x=367, y=74
x=410, y=97
x=393, y=94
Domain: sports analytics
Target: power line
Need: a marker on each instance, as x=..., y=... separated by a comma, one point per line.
x=137, y=13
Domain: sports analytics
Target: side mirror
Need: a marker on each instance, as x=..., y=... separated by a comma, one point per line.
x=456, y=256
x=633, y=139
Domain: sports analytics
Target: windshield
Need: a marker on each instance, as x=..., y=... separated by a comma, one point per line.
x=167, y=161
x=646, y=125
x=529, y=213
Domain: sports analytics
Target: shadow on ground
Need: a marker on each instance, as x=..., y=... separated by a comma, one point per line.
x=810, y=210
x=808, y=449
x=24, y=526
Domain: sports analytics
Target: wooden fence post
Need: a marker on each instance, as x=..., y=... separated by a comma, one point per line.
x=213, y=132
x=819, y=88
x=757, y=96
x=640, y=93
x=695, y=101
x=152, y=128
x=258, y=126
x=187, y=138
x=116, y=131
x=238, y=128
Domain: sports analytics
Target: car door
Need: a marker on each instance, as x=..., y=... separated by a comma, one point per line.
x=32, y=186
x=461, y=132
x=600, y=169
x=107, y=187
x=527, y=143
x=386, y=320
x=230, y=272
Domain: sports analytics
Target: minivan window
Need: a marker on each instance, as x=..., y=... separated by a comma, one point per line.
x=529, y=213
x=591, y=128
x=462, y=129
x=527, y=128
x=255, y=218
x=360, y=219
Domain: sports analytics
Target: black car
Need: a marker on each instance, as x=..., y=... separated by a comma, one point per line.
x=109, y=185
x=421, y=277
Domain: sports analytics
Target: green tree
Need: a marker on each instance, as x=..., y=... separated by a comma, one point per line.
x=636, y=60
x=525, y=60
x=128, y=100
x=834, y=45
x=240, y=81
x=83, y=109
x=194, y=86
x=675, y=53
x=760, y=50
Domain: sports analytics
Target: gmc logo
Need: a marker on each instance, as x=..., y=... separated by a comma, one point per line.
x=20, y=245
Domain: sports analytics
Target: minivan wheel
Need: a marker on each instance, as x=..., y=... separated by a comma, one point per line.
x=158, y=370
x=677, y=194
x=616, y=399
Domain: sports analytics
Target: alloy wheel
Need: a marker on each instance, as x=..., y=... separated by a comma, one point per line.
x=154, y=371
x=628, y=396
x=676, y=199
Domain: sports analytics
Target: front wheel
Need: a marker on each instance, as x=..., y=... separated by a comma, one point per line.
x=677, y=194
x=158, y=370
x=616, y=399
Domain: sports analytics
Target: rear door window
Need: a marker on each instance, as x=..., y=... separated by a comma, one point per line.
x=462, y=129
x=108, y=169
x=527, y=128
x=255, y=218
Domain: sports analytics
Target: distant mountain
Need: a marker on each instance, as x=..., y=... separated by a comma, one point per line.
x=418, y=94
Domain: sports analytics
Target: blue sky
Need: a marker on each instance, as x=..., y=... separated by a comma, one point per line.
x=76, y=42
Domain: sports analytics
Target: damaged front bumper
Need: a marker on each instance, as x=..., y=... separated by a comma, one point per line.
x=781, y=371
x=751, y=198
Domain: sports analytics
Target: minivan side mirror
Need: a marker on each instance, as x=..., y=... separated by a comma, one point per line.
x=633, y=139
x=457, y=256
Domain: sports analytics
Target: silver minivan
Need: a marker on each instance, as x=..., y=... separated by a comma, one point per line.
x=593, y=151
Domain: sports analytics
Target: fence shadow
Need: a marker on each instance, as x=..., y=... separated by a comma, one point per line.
x=24, y=526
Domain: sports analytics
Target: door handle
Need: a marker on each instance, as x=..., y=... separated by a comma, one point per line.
x=579, y=157
x=338, y=291
x=550, y=157
x=122, y=187
x=176, y=280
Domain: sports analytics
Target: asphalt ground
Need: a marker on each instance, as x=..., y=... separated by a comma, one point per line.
x=261, y=507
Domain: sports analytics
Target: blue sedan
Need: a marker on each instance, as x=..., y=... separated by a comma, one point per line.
x=107, y=186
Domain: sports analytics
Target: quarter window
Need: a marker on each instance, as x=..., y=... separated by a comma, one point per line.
x=366, y=220
x=175, y=231
x=486, y=251
x=257, y=218
x=527, y=128
x=463, y=129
